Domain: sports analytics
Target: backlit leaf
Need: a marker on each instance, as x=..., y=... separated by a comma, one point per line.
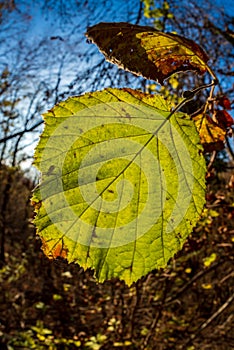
x=211, y=134
x=146, y=51
x=123, y=182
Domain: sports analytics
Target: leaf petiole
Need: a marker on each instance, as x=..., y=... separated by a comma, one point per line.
x=188, y=95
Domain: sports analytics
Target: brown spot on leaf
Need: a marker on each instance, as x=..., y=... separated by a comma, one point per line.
x=54, y=250
x=36, y=205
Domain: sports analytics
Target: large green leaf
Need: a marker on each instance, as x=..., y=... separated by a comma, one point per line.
x=146, y=51
x=123, y=182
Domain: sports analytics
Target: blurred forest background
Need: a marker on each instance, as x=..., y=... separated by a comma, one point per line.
x=44, y=58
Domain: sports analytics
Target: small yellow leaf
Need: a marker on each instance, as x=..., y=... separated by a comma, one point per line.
x=40, y=305
x=209, y=259
x=144, y=331
x=117, y=344
x=41, y=337
x=174, y=82
x=66, y=287
x=77, y=343
x=127, y=343
x=57, y=297
x=206, y=286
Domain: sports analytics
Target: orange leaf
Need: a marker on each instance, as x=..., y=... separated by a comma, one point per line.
x=212, y=136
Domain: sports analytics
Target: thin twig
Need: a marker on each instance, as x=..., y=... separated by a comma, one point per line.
x=139, y=12
x=212, y=159
x=19, y=133
x=211, y=319
x=156, y=318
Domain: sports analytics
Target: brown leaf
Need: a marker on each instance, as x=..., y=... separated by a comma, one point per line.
x=146, y=51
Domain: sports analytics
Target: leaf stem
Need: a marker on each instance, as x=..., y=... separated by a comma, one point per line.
x=212, y=73
x=190, y=94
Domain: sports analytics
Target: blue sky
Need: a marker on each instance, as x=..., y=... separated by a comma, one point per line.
x=118, y=11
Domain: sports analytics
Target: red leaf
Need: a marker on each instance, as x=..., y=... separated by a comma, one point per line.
x=224, y=119
x=224, y=102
